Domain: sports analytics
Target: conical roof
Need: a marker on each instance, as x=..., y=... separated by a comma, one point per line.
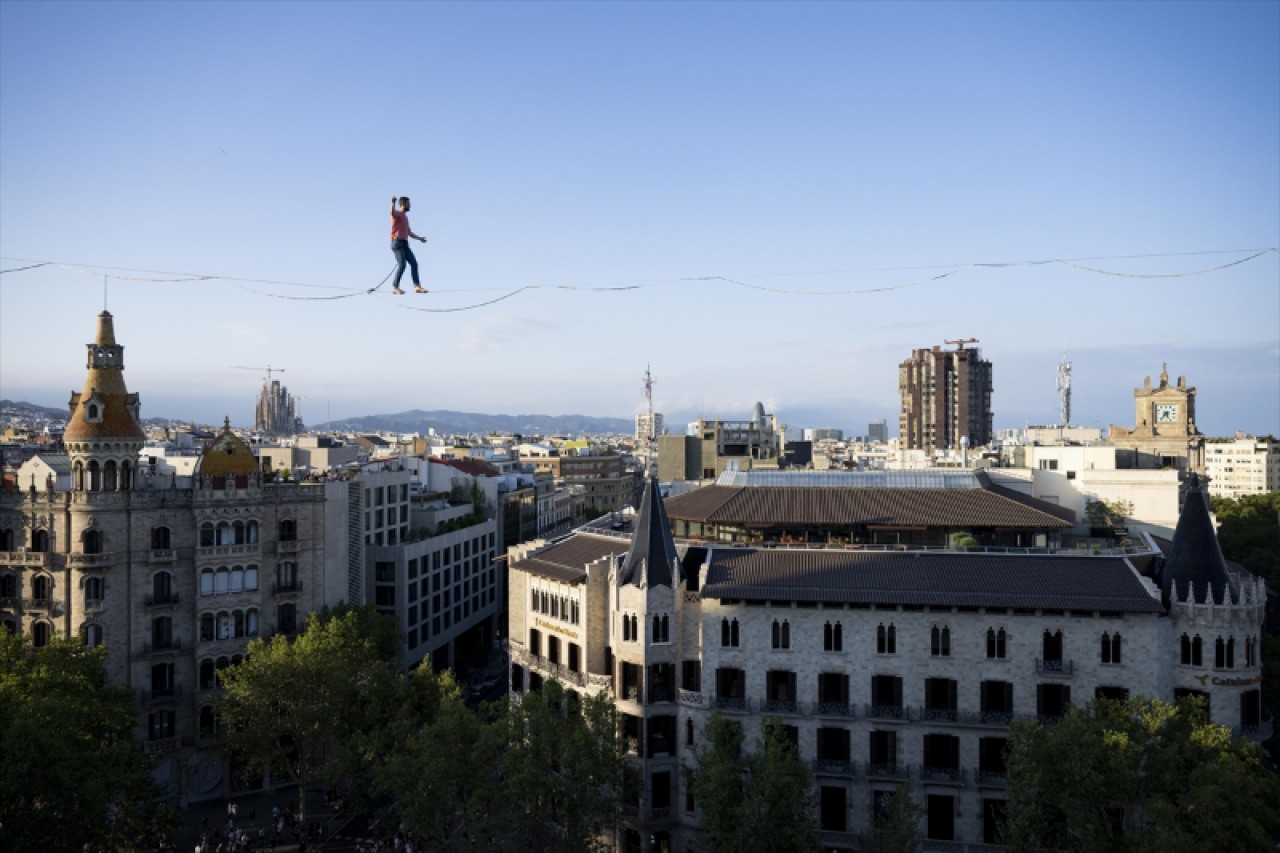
x=105, y=408
x=653, y=552
x=228, y=454
x=1195, y=560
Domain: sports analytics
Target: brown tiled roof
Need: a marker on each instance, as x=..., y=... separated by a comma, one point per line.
x=921, y=578
x=906, y=507
x=107, y=384
x=227, y=455
x=474, y=467
x=565, y=560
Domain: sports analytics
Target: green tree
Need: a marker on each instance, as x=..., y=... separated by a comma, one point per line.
x=897, y=827
x=306, y=705
x=1142, y=776
x=758, y=801
x=1250, y=533
x=1107, y=513
x=71, y=773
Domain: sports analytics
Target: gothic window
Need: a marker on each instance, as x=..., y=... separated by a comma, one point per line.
x=833, y=637
x=79, y=477
x=6, y=539
x=126, y=476
x=886, y=639
x=287, y=575
x=208, y=675
x=40, y=541
x=239, y=623
x=92, y=591
x=287, y=618
x=208, y=721
x=160, y=538
x=41, y=633
x=224, y=626
x=781, y=634
x=92, y=412
x=206, y=582
x=1052, y=646
x=237, y=533
x=92, y=635
x=95, y=477
x=206, y=627
x=162, y=632
x=237, y=579
x=729, y=633
x=109, y=476
x=208, y=536
x=1250, y=650
x=1224, y=653
x=92, y=540
x=1110, y=648
x=288, y=530
x=8, y=586
x=226, y=535
x=997, y=647
x=251, y=622
x=251, y=532
x=41, y=588
x=10, y=625
x=251, y=578
x=221, y=581
x=940, y=641
x=160, y=725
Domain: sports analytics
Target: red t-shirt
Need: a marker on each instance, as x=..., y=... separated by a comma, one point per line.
x=399, y=225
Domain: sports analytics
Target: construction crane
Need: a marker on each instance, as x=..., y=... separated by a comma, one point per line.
x=960, y=343
x=269, y=369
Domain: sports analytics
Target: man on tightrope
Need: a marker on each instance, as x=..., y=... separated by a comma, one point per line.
x=400, y=235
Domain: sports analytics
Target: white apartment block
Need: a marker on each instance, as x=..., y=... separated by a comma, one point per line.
x=1243, y=466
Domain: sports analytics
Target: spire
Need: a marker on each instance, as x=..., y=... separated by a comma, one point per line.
x=652, y=554
x=105, y=408
x=1195, y=563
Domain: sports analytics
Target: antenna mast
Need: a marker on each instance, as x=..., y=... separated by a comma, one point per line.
x=1064, y=390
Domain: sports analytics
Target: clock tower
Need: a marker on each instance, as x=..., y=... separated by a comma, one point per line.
x=1164, y=433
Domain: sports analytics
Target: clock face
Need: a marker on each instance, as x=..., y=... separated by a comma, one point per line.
x=1166, y=413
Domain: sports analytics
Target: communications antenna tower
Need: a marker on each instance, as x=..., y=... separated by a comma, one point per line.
x=650, y=438
x=1064, y=390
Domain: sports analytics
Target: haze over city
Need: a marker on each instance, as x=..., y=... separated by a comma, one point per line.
x=877, y=151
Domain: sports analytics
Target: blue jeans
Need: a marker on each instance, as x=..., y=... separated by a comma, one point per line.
x=404, y=255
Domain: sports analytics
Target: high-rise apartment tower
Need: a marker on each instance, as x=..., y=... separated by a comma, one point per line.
x=946, y=397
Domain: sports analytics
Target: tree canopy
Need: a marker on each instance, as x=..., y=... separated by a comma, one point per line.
x=1142, y=775
x=757, y=801
x=1250, y=533
x=72, y=772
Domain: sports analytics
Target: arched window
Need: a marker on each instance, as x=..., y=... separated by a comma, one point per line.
x=40, y=541
x=92, y=591
x=940, y=641
x=226, y=536
x=833, y=637
x=1110, y=648
x=161, y=587
x=92, y=634
x=206, y=627
x=1052, y=647
x=208, y=721
x=729, y=633
x=288, y=530
x=41, y=588
x=239, y=623
x=886, y=639
x=41, y=633
x=6, y=539
x=208, y=675
x=1197, y=651
x=221, y=582
x=92, y=540
x=208, y=535
x=126, y=476
x=286, y=618
x=160, y=538
x=206, y=582
x=95, y=477
x=109, y=476
x=8, y=586
x=78, y=475
x=160, y=725
x=162, y=632
x=251, y=578
x=251, y=532
x=251, y=623
x=225, y=626
x=10, y=625
x=287, y=576
x=781, y=634
x=237, y=579
x=997, y=645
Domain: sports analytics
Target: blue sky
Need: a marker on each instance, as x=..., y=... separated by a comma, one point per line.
x=798, y=147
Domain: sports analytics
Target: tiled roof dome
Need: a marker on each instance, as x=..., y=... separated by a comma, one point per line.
x=228, y=454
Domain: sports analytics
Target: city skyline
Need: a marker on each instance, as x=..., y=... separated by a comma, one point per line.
x=834, y=148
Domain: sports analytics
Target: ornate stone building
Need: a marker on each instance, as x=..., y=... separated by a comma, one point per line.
x=837, y=604
x=173, y=575
x=1164, y=434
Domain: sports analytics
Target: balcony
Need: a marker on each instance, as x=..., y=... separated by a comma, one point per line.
x=691, y=697
x=942, y=775
x=288, y=546
x=162, y=647
x=91, y=561
x=937, y=715
x=30, y=559
x=162, y=600
x=738, y=704
x=161, y=694
x=290, y=588
x=209, y=551
x=163, y=555
x=888, y=712
x=166, y=744
x=781, y=706
x=833, y=767
x=10, y=603
x=889, y=772
x=47, y=604
x=990, y=778
x=661, y=693
x=1055, y=668
x=94, y=606
x=834, y=709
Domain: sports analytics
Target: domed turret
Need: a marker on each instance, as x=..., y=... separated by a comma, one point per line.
x=103, y=434
x=228, y=456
